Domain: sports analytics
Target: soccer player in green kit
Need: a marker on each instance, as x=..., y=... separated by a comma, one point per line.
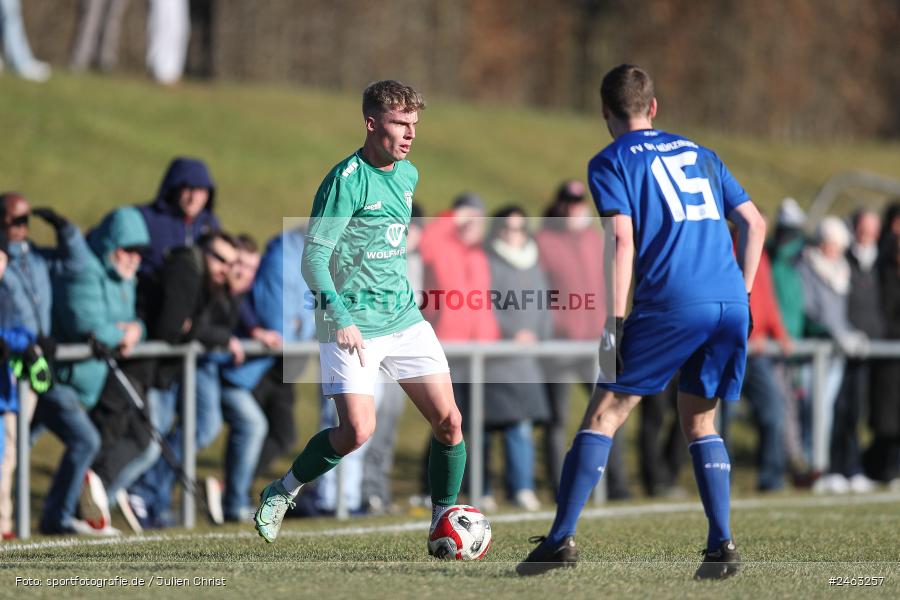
x=354, y=261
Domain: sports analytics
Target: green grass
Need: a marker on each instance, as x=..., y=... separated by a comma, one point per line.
x=88, y=143
x=791, y=546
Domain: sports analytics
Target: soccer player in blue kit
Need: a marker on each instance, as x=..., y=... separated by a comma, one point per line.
x=667, y=197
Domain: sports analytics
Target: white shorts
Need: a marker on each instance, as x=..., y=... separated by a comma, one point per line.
x=413, y=352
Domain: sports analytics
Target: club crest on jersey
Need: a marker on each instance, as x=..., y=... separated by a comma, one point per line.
x=394, y=234
x=408, y=197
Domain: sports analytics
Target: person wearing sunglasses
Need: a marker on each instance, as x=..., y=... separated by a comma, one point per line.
x=28, y=291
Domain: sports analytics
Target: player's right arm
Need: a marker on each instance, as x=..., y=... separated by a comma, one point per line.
x=331, y=214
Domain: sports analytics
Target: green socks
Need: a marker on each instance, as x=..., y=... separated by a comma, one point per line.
x=446, y=465
x=317, y=458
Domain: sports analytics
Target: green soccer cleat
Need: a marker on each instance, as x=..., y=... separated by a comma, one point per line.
x=274, y=501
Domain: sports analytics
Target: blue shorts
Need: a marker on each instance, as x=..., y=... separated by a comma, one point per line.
x=707, y=342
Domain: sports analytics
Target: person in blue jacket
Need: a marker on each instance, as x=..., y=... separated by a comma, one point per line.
x=27, y=302
x=31, y=267
x=181, y=212
x=98, y=302
x=277, y=301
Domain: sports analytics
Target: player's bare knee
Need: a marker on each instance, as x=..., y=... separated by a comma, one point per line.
x=694, y=429
x=353, y=435
x=448, y=428
x=607, y=412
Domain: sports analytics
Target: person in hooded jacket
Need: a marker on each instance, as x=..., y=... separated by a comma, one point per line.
x=181, y=212
x=97, y=302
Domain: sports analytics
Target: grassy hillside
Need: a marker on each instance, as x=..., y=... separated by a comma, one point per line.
x=88, y=143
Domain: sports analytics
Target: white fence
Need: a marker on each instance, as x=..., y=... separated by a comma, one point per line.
x=819, y=352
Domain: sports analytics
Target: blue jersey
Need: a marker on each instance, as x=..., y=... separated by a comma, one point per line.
x=678, y=195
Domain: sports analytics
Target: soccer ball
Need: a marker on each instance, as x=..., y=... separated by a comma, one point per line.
x=460, y=532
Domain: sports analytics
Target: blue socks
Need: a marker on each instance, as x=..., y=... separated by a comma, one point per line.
x=581, y=472
x=712, y=469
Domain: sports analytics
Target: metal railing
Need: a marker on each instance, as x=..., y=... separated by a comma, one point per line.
x=819, y=351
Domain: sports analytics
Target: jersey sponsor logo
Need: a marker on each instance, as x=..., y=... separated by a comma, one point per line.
x=408, y=197
x=394, y=234
x=383, y=254
x=375, y=206
x=350, y=169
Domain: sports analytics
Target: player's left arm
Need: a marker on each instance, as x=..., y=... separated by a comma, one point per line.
x=751, y=226
x=751, y=237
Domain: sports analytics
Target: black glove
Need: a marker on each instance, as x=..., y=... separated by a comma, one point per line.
x=48, y=349
x=48, y=346
x=750, y=312
x=50, y=216
x=612, y=341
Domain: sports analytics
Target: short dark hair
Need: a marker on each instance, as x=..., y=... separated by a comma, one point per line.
x=627, y=91
x=205, y=241
x=247, y=243
x=5, y=198
x=386, y=95
x=498, y=219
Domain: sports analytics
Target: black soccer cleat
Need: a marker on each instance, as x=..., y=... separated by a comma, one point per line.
x=720, y=563
x=548, y=556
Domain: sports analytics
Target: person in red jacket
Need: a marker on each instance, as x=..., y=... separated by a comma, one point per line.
x=456, y=269
x=763, y=387
x=572, y=254
x=455, y=296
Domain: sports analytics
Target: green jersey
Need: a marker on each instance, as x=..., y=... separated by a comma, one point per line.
x=358, y=225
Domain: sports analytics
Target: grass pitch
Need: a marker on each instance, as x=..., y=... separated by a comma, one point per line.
x=791, y=545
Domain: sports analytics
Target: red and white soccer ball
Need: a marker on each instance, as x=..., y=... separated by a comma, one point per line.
x=460, y=532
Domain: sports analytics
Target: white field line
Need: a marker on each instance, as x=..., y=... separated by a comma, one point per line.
x=590, y=513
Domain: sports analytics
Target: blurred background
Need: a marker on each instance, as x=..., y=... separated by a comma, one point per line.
x=790, y=93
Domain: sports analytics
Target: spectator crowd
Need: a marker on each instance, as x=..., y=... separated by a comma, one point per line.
x=166, y=270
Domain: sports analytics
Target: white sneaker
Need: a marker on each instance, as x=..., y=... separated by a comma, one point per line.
x=528, y=500
x=833, y=483
x=94, y=503
x=487, y=504
x=124, y=505
x=214, y=500
x=36, y=71
x=81, y=527
x=860, y=484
